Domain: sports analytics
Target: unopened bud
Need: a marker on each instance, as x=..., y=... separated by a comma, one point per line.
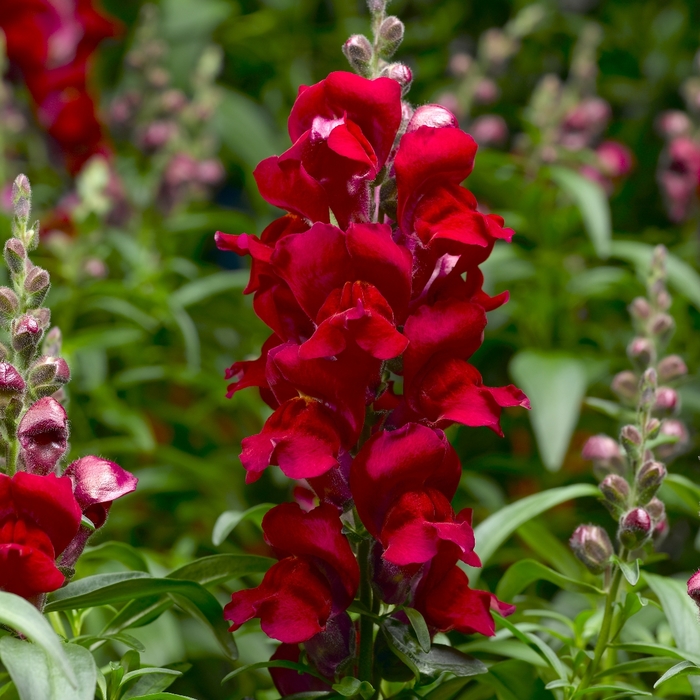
x=666, y=400
x=26, y=333
x=635, y=528
x=640, y=308
x=616, y=492
x=434, y=116
x=662, y=325
x=673, y=123
x=390, y=36
x=601, y=448
x=376, y=6
x=42, y=316
x=656, y=509
x=15, y=255
x=22, y=209
x=676, y=430
x=694, y=588
x=649, y=477
x=658, y=261
x=663, y=300
x=641, y=351
x=489, y=130
x=21, y=189
x=626, y=385
x=53, y=342
x=652, y=428
x=358, y=51
x=43, y=435
x=11, y=383
x=486, y=92
x=37, y=284
x=9, y=303
x=592, y=546
x=47, y=375
x=401, y=73
x=630, y=436
x=671, y=367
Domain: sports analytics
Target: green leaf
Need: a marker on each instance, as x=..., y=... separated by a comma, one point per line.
x=658, y=650
x=204, y=288
x=521, y=574
x=607, y=408
x=121, y=307
x=515, y=680
x=190, y=336
x=508, y=648
x=556, y=385
x=686, y=490
x=108, y=589
x=37, y=675
x=419, y=627
x=549, y=548
x=593, y=204
x=275, y=664
x=497, y=528
x=630, y=570
x=684, y=667
x=350, y=686
x=448, y=690
x=148, y=680
x=20, y=615
x=440, y=658
x=163, y=696
x=681, y=613
x=119, y=551
x=623, y=689
x=681, y=276
x=229, y=520
x=653, y=663
x=218, y=568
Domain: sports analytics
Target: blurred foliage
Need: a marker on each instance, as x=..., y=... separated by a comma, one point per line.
x=152, y=314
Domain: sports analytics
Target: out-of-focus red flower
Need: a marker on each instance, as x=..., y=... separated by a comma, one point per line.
x=316, y=578
x=679, y=176
x=39, y=516
x=52, y=42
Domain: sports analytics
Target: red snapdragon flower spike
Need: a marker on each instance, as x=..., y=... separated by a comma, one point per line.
x=98, y=482
x=43, y=435
x=316, y=579
x=447, y=603
x=39, y=516
x=343, y=129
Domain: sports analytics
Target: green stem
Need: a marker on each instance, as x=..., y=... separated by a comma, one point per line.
x=366, y=624
x=604, y=636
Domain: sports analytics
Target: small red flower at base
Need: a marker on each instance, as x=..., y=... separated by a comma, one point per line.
x=39, y=516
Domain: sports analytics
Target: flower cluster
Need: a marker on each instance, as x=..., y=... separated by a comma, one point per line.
x=52, y=43
x=678, y=172
x=630, y=471
x=371, y=286
x=47, y=510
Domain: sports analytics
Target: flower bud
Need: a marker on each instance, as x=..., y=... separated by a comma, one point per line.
x=42, y=316
x=376, y=6
x=358, y=51
x=460, y=64
x=663, y=300
x=601, y=448
x=626, y=385
x=489, y=130
x=11, y=384
x=53, y=342
x=642, y=352
x=630, y=436
x=666, y=400
x=15, y=255
x=615, y=159
x=673, y=123
x=37, y=284
x=26, y=333
x=672, y=367
x=401, y=73
x=434, y=116
x=486, y=92
x=390, y=37
x=656, y=509
x=592, y=546
x=616, y=492
x=47, y=375
x=43, y=435
x=662, y=325
x=652, y=428
x=640, y=308
x=673, y=428
x=9, y=303
x=22, y=209
x=649, y=477
x=694, y=588
x=635, y=528
x=21, y=189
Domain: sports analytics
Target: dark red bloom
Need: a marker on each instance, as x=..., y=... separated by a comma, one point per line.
x=316, y=578
x=447, y=603
x=43, y=435
x=290, y=682
x=39, y=516
x=342, y=131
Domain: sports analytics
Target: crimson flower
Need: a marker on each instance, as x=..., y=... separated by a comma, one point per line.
x=315, y=580
x=39, y=516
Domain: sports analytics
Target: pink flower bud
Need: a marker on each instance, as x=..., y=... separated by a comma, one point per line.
x=592, y=546
x=210, y=171
x=672, y=367
x=460, y=63
x=358, y=50
x=390, y=37
x=662, y=324
x=648, y=480
x=26, y=332
x=601, y=448
x=43, y=435
x=630, y=435
x=15, y=255
x=656, y=509
x=9, y=303
x=673, y=123
x=626, y=385
x=614, y=158
x=401, y=73
x=47, y=375
x=486, y=92
x=489, y=130
x=694, y=588
x=635, y=528
x=673, y=428
x=591, y=114
x=616, y=492
x=640, y=308
x=433, y=116
x=157, y=134
x=11, y=383
x=666, y=400
x=641, y=351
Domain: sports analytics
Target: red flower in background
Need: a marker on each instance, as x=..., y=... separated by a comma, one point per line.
x=52, y=42
x=39, y=517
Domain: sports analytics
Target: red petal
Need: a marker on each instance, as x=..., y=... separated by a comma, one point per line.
x=27, y=571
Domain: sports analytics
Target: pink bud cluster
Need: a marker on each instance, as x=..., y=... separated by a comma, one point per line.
x=47, y=510
x=371, y=287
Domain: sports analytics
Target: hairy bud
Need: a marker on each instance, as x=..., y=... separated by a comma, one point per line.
x=667, y=400
x=672, y=367
x=37, y=284
x=616, y=492
x=15, y=255
x=21, y=189
x=43, y=435
x=53, y=342
x=390, y=36
x=662, y=325
x=630, y=436
x=640, y=309
x=9, y=304
x=11, y=384
x=642, y=352
x=625, y=385
x=358, y=51
x=592, y=546
x=649, y=477
x=694, y=588
x=47, y=375
x=656, y=509
x=635, y=528
x=26, y=333
x=401, y=73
